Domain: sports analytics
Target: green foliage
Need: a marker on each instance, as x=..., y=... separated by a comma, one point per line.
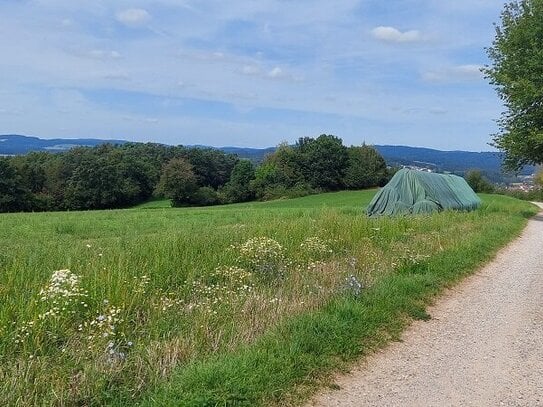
x=517, y=73
x=105, y=178
x=367, y=168
x=533, y=195
x=478, y=182
x=323, y=161
x=212, y=167
x=321, y=164
x=239, y=189
x=108, y=176
x=205, y=196
x=178, y=182
x=13, y=195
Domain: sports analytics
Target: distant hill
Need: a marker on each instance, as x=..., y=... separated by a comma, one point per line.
x=13, y=144
x=453, y=161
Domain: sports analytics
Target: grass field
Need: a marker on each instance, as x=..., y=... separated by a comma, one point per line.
x=243, y=304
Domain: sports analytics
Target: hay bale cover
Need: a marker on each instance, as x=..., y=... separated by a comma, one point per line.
x=417, y=192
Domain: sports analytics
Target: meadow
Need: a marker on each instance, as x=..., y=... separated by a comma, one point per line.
x=243, y=304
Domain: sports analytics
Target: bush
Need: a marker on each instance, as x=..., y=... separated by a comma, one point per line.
x=205, y=196
x=478, y=182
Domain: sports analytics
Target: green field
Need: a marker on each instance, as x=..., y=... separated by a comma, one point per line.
x=243, y=304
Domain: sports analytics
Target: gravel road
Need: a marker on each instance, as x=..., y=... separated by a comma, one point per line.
x=482, y=347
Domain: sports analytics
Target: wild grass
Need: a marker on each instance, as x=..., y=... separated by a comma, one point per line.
x=243, y=304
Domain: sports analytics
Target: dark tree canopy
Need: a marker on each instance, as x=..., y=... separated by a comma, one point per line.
x=324, y=161
x=238, y=189
x=178, y=181
x=117, y=176
x=13, y=195
x=516, y=71
x=367, y=168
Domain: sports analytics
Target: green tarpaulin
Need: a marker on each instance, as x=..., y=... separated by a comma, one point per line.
x=415, y=192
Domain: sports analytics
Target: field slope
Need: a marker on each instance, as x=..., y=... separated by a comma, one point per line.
x=244, y=304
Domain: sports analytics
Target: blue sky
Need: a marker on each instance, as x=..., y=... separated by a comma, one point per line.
x=249, y=73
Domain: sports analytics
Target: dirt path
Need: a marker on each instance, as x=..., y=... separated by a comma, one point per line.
x=482, y=347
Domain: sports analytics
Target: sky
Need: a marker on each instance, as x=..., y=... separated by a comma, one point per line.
x=250, y=73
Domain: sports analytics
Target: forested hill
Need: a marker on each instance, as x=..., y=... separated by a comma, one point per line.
x=14, y=144
x=455, y=161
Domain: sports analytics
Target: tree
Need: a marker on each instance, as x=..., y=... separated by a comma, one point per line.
x=517, y=73
x=212, y=167
x=324, y=161
x=238, y=189
x=178, y=181
x=367, y=168
x=478, y=182
x=13, y=196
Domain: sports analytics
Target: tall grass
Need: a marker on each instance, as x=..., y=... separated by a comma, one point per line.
x=154, y=296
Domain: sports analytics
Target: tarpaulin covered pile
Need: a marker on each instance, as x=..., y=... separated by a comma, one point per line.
x=415, y=192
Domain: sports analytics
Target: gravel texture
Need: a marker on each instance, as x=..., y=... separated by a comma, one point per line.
x=482, y=347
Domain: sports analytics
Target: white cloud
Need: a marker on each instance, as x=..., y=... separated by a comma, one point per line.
x=133, y=17
x=276, y=73
x=473, y=71
x=391, y=34
x=458, y=73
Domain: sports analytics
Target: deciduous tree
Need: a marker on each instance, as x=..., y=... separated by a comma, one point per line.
x=517, y=73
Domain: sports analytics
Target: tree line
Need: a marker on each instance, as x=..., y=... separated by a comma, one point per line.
x=118, y=176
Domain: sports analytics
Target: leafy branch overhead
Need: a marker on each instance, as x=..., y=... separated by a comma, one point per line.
x=516, y=71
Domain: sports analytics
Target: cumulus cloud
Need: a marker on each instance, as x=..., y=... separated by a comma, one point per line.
x=458, y=73
x=391, y=34
x=133, y=17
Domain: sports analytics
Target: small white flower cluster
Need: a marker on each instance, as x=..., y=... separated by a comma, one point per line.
x=232, y=284
x=263, y=255
x=235, y=276
x=316, y=246
x=353, y=285
x=62, y=298
x=410, y=257
x=102, y=326
x=315, y=265
x=23, y=332
x=168, y=301
x=142, y=284
x=63, y=293
x=114, y=354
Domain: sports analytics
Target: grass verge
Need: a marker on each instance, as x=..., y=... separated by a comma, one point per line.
x=286, y=365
